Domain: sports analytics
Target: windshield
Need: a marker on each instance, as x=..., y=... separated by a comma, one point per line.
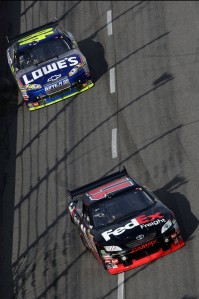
x=43, y=52
x=120, y=206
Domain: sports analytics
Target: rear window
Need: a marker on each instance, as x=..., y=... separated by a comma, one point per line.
x=119, y=206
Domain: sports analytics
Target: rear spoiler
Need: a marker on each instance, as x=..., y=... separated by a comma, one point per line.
x=20, y=36
x=98, y=183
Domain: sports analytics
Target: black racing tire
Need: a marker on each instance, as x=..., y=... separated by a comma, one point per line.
x=103, y=262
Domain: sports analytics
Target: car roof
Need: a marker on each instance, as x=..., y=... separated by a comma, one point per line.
x=34, y=36
x=38, y=37
x=106, y=190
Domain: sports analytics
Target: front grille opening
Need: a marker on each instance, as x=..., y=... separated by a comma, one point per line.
x=147, y=238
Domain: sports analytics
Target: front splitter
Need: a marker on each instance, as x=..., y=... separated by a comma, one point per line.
x=149, y=258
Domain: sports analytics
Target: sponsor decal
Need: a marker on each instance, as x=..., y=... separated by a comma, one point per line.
x=20, y=84
x=115, y=261
x=72, y=211
x=23, y=90
x=25, y=97
x=175, y=225
x=75, y=69
x=173, y=236
x=50, y=68
x=32, y=86
x=107, y=261
x=144, y=246
x=111, y=266
x=176, y=238
x=54, y=77
x=140, y=220
x=156, y=222
x=62, y=81
x=73, y=214
x=88, y=239
x=36, y=36
x=102, y=192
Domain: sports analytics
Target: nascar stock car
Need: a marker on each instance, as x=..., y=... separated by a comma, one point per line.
x=48, y=65
x=122, y=222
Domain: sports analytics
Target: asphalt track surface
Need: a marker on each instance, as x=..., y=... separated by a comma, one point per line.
x=151, y=105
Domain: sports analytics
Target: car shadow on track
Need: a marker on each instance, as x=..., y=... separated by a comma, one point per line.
x=94, y=53
x=180, y=205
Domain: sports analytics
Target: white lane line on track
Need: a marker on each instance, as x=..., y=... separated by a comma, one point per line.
x=120, y=286
x=112, y=80
x=114, y=143
x=109, y=22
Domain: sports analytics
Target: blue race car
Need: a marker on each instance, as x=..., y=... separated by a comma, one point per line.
x=48, y=65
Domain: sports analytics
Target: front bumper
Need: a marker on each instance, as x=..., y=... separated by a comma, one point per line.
x=49, y=100
x=146, y=257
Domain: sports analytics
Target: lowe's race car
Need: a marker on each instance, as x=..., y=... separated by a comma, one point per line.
x=122, y=223
x=47, y=65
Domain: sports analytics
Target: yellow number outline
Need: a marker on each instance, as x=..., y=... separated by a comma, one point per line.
x=36, y=36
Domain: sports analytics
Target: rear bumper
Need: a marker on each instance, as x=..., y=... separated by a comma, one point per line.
x=119, y=268
x=49, y=100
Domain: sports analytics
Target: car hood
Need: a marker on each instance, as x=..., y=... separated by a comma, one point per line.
x=134, y=227
x=50, y=70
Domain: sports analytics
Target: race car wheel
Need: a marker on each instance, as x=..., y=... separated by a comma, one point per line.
x=103, y=262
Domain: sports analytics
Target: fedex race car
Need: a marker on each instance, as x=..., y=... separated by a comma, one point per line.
x=47, y=65
x=122, y=223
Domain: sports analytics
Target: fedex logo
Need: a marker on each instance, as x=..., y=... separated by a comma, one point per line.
x=50, y=68
x=140, y=220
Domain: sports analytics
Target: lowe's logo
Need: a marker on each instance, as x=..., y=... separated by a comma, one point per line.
x=50, y=68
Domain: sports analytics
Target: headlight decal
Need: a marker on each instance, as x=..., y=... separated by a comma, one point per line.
x=112, y=248
x=166, y=226
x=76, y=69
x=32, y=86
